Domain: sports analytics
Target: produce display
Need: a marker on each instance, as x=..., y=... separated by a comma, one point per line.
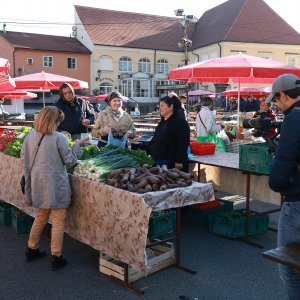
x=121, y=168
x=108, y=159
x=11, y=141
x=147, y=179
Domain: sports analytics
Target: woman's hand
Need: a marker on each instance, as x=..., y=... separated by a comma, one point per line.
x=83, y=141
x=107, y=128
x=129, y=133
x=178, y=166
x=86, y=122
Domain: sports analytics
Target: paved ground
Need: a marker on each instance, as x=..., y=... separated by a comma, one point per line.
x=226, y=269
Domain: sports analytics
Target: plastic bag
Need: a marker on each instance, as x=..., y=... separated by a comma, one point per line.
x=210, y=138
x=222, y=134
x=117, y=142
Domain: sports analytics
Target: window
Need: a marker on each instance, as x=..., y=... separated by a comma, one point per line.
x=105, y=63
x=144, y=65
x=48, y=61
x=238, y=51
x=125, y=64
x=105, y=88
x=141, y=88
x=125, y=87
x=265, y=54
x=71, y=63
x=162, y=66
x=291, y=59
x=30, y=61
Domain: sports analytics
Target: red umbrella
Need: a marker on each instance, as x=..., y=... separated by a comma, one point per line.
x=47, y=81
x=6, y=83
x=4, y=64
x=17, y=94
x=200, y=92
x=244, y=91
x=234, y=66
x=238, y=66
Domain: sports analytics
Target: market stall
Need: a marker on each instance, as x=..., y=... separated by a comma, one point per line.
x=106, y=218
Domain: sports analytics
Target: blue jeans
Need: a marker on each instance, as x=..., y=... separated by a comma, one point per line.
x=289, y=232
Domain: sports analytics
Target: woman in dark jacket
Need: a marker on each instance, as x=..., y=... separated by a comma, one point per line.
x=172, y=136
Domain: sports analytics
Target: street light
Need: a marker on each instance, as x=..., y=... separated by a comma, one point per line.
x=185, y=43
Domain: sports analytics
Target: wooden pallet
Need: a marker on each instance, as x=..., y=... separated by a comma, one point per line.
x=164, y=257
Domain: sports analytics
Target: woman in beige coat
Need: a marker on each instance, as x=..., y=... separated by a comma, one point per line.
x=50, y=189
x=113, y=120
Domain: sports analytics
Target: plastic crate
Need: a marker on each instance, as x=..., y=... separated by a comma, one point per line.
x=5, y=214
x=255, y=158
x=162, y=224
x=199, y=216
x=21, y=222
x=234, y=227
x=233, y=147
x=203, y=148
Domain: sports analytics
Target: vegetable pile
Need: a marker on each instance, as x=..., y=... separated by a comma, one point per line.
x=11, y=141
x=147, y=179
x=108, y=159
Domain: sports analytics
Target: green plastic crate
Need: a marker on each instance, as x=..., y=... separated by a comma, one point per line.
x=21, y=223
x=162, y=224
x=201, y=216
x=5, y=214
x=231, y=227
x=255, y=158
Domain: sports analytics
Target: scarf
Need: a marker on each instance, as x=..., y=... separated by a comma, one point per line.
x=117, y=114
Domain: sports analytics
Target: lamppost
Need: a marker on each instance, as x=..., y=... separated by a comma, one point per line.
x=185, y=43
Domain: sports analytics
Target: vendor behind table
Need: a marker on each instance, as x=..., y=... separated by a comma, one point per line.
x=113, y=120
x=172, y=136
x=78, y=114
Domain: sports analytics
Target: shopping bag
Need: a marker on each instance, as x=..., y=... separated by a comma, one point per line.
x=210, y=138
x=111, y=140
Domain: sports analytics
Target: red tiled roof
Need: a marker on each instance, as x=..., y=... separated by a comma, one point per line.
x=44, y=42
x=127, y=29
x=251, y=21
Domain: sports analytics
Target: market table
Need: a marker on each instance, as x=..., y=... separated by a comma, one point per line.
x=230, y=161
x=108, y=219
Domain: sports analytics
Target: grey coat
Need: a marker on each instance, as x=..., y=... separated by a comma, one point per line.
x=50, y=186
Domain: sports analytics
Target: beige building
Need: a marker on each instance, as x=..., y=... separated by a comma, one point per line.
x=134, y=52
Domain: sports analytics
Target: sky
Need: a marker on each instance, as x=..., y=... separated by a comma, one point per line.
x=56, y=17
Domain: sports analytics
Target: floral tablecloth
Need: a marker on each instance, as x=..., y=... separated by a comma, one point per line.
x=111, y=220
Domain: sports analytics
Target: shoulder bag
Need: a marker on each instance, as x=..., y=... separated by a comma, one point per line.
x=23, y=181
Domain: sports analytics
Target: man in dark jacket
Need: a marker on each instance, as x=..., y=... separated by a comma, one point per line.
x=252, y=104
x=78, y=114
x=182, y=110
x=285, y=173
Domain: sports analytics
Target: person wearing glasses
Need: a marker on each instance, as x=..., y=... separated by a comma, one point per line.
x=78, y=113
x=113, y=123
x=45, y=155
x=285, y=173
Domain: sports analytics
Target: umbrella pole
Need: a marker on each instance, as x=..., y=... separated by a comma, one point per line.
x=187, y=98
x=238, y=108
x=44, y=105
x=2, y=109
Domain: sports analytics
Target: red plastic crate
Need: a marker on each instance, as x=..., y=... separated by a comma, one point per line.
x=203, y=148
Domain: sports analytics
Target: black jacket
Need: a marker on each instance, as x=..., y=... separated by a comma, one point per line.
x=171, y=141
x=285, y=173
x=74, y=112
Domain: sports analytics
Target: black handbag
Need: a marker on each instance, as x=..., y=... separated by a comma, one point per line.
x=23, y=180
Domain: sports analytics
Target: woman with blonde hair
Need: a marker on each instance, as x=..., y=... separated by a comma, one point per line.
x=45, y=155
